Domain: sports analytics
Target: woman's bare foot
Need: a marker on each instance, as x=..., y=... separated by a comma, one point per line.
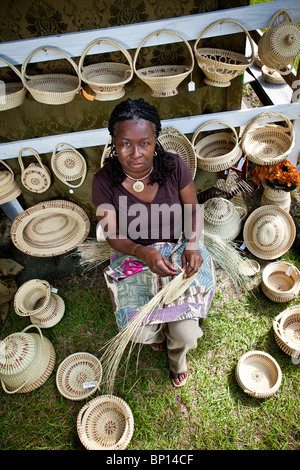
x=179, y=380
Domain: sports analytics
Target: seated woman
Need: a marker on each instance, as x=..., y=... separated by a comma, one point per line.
x=146, y=203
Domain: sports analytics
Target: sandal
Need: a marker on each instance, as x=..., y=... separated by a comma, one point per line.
x=176, y=380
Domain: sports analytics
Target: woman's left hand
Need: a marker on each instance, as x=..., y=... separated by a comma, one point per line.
x=191, y=262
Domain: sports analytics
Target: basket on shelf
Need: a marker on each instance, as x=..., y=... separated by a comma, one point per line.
x=286, y=331
x=68, y=165
x=51, y=88
x=12, y=94
x=217, y=151
x=268, y=144
x=106, y=79
x=36, y=177
x=174, y=141
x=105, y=423
x=220, y=66
x=163, y=79
x=9, y=188
x=280, y=281
x=272, y=76
x=280, y=44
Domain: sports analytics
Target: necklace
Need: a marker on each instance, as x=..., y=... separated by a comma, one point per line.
x=138, y=186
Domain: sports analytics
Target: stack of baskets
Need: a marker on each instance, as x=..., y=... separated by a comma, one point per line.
x=9, y=188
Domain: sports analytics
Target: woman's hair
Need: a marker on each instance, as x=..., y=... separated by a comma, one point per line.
x=163, y=162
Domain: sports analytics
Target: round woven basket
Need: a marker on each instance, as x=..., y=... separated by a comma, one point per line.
x=32, y=298
x=52, y=314
x=278, y=197
x=174, y=141
x=12, y=94
x=26, y=361
x=50, y=228
x=221, y=218
x=106, y=79
x=286, y=331
x=163, y=79
x=36, y=177
x=218, y=151
x=68, y=165
x=272, y=76
x=219, y=65
x=105, y=423
x=268, y=144
x=258, y=374
x=280, y=44
x=280, y=281
x=249, y=267
x=79, y=376
x=9, y=188
x=51, y=88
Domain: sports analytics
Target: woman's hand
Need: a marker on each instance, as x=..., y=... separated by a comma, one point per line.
x=191, y=262
x=156, y=262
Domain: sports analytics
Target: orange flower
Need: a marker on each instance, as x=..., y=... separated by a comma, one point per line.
x=282, y=174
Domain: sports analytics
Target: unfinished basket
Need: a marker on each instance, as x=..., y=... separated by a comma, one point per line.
x=217, y=151
x=12, y=94
x=105, y=423
x=51, y=88
x=68, y=165
x=268, y=144
x=106, y=79
x=79, y=376
x=163, y=79
x=258, y=374
x=9, y=188
x=280, y=281
x=36, y=177
x=286, y=331
x=178, y=286
x=220, y=66
x=174, y=141
x=280, y=44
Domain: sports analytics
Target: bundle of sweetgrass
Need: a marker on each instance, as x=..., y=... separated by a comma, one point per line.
x=93, y=253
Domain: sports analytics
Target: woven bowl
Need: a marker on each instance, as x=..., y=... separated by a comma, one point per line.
x=32, y=298
x=12, y=94
x=79, y=376
x=105, y=423
x=286, y=331
x=52, y=314
x=174, y=141
x=258, y=374
x=280, y=281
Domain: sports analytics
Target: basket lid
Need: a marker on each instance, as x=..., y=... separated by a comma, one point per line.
x=219, y=211
x=16, y=353
x=285, y=40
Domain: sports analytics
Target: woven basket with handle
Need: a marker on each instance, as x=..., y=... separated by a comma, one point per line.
x=36, y=177
x=68, y=165
x=174, y=141
x=12, y=94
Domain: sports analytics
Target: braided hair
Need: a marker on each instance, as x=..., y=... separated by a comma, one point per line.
x=163, y=162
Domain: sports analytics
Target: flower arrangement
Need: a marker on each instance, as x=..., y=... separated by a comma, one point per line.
x=283, y=176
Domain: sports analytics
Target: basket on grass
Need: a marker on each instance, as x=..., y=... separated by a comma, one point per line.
x=280, y=281
x=12, y=94
x=68, y=165
x=26, y=361
x=280, y=44
x=163, y=79
x=286, y=331
x=52, y=88
x=36, y=177
x=268, y=143
x=174, y=141
x=106, y=79
x=9, y=188
x=105, y=423
x=258, y=374
x=220, y=66
x=219, y=150
x=221, y=218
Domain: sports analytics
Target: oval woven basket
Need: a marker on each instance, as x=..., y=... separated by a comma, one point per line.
x=174, y=141
x=272, y=76
x=105, y=423
x=286, y=331
x=9, y=188
x=79, y=376
x=36, y=177
x=220, y=65
x=280, y=281
x=218, y=151
x=12, y=94
x=68, y=165
x=268, y=144
x=163, y=79
x=258, y=374
x=106, y=79
x=51, y=88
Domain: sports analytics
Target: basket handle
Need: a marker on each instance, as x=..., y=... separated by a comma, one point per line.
x=213, y=121
x=17, y=72
x=85, y=167
x=268, y=114
x=157, y=33
x=34, y=153
x=287, y=17
x=8, y=167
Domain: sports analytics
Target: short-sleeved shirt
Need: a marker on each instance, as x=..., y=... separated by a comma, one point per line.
x=143, y=222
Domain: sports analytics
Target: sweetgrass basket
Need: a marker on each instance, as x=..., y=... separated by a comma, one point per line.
x=280, y=281
x=9, y=188
x=12, y=94
x=268, y=144
x=106, y=79
x=220, y=66
x=35, y=177
x=52, y=314
x=68, y=165
x=219, y=150
x=174, y=141
x=32, y=298
x=105, y=423
x=163, y=79
x=286, y=328
x=51, y=88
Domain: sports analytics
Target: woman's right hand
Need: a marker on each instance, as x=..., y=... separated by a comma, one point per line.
x=156, y=262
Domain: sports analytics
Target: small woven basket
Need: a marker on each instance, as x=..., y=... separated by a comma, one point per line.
x=219, y=65
x=286, y=331
x=272, y=76
x=52, y=314
x=51, y=88
x=36, y=177
x=32, y=298
x=9, y=188
x=217, y=151
x=268, y=144
x=258, y=374
x=68, y=165
x=106, y=79
x=174, y=141
x=12, y=94
x=280, y=281
x=163, y=79
x=105, y=423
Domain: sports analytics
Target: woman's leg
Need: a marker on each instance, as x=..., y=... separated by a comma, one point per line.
x=149, y=334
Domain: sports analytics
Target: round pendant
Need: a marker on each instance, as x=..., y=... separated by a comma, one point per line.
x=138, y=186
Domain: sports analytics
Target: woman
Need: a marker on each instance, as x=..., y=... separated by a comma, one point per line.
x=133, y=193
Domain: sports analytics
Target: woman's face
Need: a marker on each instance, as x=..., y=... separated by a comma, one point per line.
x=135, y=144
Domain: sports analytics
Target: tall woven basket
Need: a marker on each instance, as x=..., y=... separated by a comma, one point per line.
x=174, y=141
x=12, y=94
x=220, y=66
x=68, y=165
x=51, y=88
x=106, y=79
x=163, y=79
